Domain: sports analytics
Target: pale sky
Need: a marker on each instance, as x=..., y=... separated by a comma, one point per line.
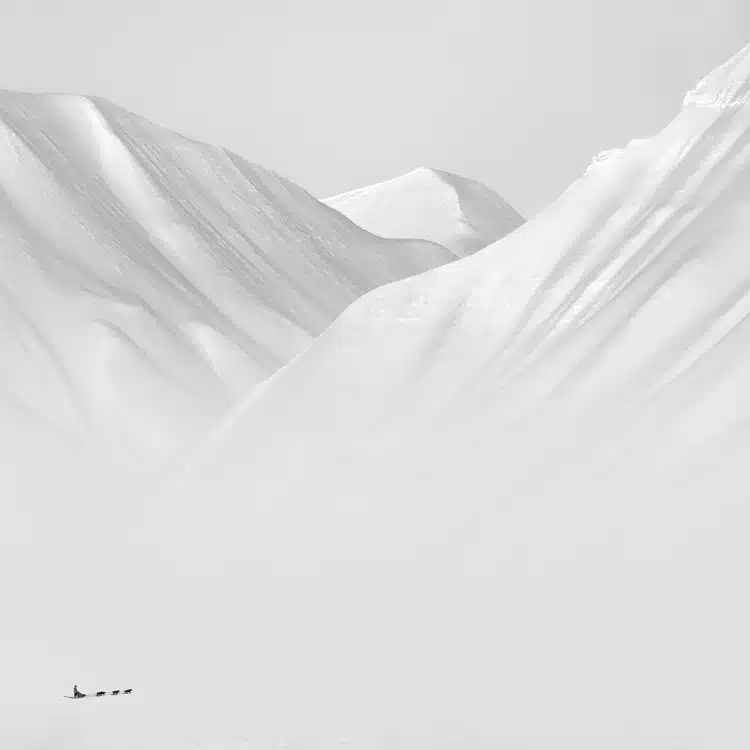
x=336, y=94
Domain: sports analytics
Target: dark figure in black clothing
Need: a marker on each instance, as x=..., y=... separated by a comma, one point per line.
x=77, y=693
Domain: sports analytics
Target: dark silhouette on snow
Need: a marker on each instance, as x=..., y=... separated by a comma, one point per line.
x=78, y=694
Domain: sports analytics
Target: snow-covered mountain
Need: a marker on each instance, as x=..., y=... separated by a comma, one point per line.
x=147, y=280
x=519, y=506
x=629, y=289
x=460, y=214
x=499, y=504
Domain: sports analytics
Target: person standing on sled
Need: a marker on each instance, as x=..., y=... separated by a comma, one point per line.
x=77, y=693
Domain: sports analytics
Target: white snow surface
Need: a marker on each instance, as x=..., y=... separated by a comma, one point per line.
x=461, y=214
x=501, y=504
x=147, y=280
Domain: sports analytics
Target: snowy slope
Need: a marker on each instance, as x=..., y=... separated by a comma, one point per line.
x=147, y=280
x=519, y=508
x=460, y=214
x=628, y=290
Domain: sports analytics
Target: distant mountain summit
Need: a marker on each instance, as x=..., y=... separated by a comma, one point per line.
x=461, y=214
x=148, y=280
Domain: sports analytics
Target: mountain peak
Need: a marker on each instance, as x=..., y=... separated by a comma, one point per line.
x=727, y=86
x=459, y=213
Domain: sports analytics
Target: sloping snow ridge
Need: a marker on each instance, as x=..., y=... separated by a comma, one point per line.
x=461, y=214
x=147, y=280
x=519, y=508
x=627, y=290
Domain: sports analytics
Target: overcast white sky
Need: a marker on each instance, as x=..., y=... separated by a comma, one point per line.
x=339, y=93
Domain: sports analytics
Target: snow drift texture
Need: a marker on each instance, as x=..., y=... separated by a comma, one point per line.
x=460, y=214
x=147, y=280
x=500, y=504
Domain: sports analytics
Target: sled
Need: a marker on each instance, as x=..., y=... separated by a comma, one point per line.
x=100, y=694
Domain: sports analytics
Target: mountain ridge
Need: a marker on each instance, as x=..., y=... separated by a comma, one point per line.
x=620, y=308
